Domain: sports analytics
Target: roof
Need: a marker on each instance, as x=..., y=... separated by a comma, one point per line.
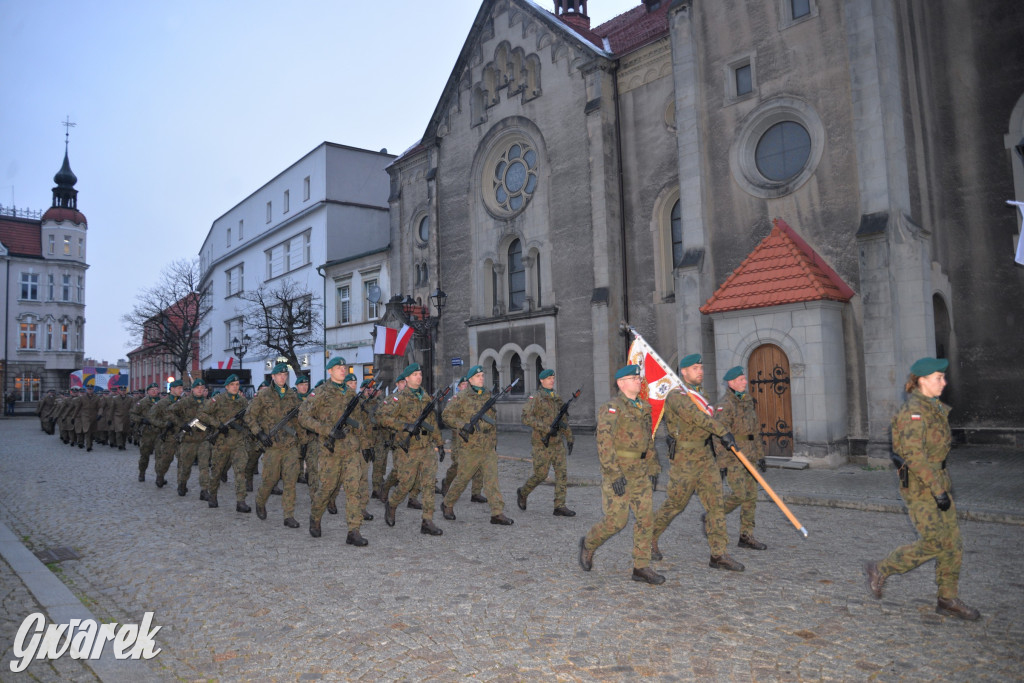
x=782, y=269
x=59, y=214
x=22, y=237
x=632, y=29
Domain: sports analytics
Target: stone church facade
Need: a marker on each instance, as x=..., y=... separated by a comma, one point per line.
x=574, y=177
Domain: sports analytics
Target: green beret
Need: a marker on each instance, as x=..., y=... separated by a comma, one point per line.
x=231, y=378
x=302, y=378
x=733, y=373
x=474, y=370
x=923, y=367
x=177, y=383
x=280, y=367
x=318, y=383
x=200, y=382
x=264, y=383
x=409, y=369
x=687, y=361
x=627, y=371
x=544, y=374
x=351, y=378
x=366, y=383
x=463, y=379
x=152, y=385
x=337, y=360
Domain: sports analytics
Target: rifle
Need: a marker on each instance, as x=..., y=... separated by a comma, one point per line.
x=415, y=427
x=343, y=423
x=562, y=412
x=470, y=427
x=268, y=439
x=232, y=423
x=901, y=469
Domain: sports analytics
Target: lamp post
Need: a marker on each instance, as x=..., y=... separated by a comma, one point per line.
x=240, y=348
x=428, y=326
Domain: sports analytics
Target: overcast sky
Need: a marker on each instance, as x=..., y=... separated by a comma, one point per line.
x=185, y=108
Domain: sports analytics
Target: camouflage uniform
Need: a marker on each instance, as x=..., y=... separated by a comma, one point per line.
x=378, y=436
x=167, y=444
x=418, y=467
x=148, y=432
x=736, y=414
x=453, y=469
x=538, y=414
x=228, y=448
x=624, y=447
x=479, y=453
x=693, y=468
x=192, y=444
x=343, y=467
x=281, y=459
x=921, y=436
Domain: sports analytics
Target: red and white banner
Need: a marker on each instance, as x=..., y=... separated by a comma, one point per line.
x=392, y=342
x=225, y=365
x=658, y=379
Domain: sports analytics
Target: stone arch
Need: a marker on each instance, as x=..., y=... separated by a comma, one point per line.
x=530, y=355
x=661, y=237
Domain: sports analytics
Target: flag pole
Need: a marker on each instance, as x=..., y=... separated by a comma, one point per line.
x=739, y=454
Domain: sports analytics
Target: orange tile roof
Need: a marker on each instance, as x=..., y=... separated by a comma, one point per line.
x=22, y=237
x=782, y=269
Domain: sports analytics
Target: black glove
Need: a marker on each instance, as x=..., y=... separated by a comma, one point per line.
x=568, y=448
x=654, y=481
x=762, y=464
x=942, y=501
x=440, y=452
x=223, y=429
x=619, y=486
x=409, y=427
x=368, y=454
x=670, y=440
x=264, y=439
x=469, y=428
x=729, y=441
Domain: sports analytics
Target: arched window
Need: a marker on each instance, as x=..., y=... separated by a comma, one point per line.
x=495, y=379
x=677, y=234
x=538, y=368
x=516, y=372
x=516, y=277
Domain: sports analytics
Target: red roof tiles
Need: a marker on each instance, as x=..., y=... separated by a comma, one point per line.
x=22, y=237
x=58, y=214
x=782, y=269
x=634, y=28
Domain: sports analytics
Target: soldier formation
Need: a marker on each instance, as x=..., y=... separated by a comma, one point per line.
x=330, y=437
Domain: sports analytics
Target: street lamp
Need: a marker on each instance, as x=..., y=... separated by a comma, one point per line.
x=426, y=326
x=240, y=348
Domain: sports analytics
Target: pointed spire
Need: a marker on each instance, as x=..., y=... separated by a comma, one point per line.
x=65, y=195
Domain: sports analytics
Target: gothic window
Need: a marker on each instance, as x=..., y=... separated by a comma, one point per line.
x=512, y=176
x=538, y=368
x=495, y=378
x=424, y=229
x=677, y=235
x=516, y=373
x=516, y=277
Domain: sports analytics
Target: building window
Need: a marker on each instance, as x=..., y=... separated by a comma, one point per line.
x=796, y=11
x=232, y=330
x=28, y=388
x=78, y=337
x=344, y=304
x=235, y=279
x=228, y=233
x=516, y=373
x=783, y=151
x=81, y=247
x=65, y=288
x=744, y=83
x=516, y=277
x=270, y=212
x=81, y=289
x=287, y=256
x=30, y=286
x=424, y=229
x=67, y=245
x=800, y=8
x=52, y=240
x=286, y=202
x=206, y=344
x=511, y=174
x=49, y=287
x=372, y=308
x=27, y=335
x=367, y=372
x=241, y=230
x=495, y=378
x=305, y=189
x=49, y=336
x=64, y=337
x=676, y=221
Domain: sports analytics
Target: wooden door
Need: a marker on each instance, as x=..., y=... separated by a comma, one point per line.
x=768, y=376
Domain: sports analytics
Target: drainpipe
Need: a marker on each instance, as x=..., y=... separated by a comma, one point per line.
x=622, y=206
x=323, y=354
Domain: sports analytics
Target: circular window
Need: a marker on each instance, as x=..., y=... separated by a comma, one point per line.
x=512, y=177
x=424, y=229
x=782, y=151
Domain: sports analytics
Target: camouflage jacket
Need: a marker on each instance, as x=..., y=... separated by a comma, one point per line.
x=268, y=408
x=461, y=410
x=736, y=414
x=141, y=410
x=921, y=436
x=221, y=408
x=161, y=417
x=538, y=414
x=320, y=412
x=689, y=425
x=623, y=431
x=404, y=407
x=183, y=412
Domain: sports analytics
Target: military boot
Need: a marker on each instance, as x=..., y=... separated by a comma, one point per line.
x=656, y=551
x=332, y=507
x=367, y=517
x=748, y=541
x=291, y=523
x=160, y=481
x=562, y=511
x=723, y=561
x=428, y=527
x=389, y=513
x=203, y=495
x=414, y=504
x=448, y=512
x=955, y=607
x=182, y=489
x=520, y=499
x=875, y=579
x=356, y=539
x=142, y=476
x=211, y=500
x=586, y=556
x=478, y=498
x=502, y=520
x=648, y=575
x=261, y=511
x=314, y=527
x=242, y=506
x=276, y=491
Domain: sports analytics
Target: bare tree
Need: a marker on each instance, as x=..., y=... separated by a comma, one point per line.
x=283, y=319
x=166, y=317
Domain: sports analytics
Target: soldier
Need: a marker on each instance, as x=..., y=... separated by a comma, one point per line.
x=624, y=445
x=540, y=411
x=148, y=432
x=418, y=466
x=103, y=416
x=305, y=438
x=225, y=415
x=343, y=465
x=313, y=447
x=119, y=419
x=691, y=426
x=477, y=487
x=921, y=439
x=736, y=414
x=66, y=417
x=160, y=417
x=479, y=452
x=45, y=411
x=392, y=478
x=254, y=447
x=191, y=439
x=379, y=441
x=281, y=457
x=85, y=417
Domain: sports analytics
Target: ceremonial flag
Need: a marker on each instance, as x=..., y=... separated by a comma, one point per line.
x=1020, y=240
x=392, y=342
x=657, y=378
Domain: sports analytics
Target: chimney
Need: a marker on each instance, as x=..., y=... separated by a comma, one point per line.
x=573, y=13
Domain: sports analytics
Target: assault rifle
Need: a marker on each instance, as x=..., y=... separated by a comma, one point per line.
x=901, y=469
x=268, y=439
x=415, y=428
x=343, y=423
x=232, y=423
x=562, y=412
x=470, y=427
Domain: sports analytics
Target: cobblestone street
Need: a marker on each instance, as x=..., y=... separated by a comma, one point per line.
x=240, y=599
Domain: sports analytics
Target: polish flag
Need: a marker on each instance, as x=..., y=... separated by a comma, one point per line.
x=392, y=342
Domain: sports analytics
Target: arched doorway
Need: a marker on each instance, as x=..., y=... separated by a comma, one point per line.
x=944, y=343
x=768, y=375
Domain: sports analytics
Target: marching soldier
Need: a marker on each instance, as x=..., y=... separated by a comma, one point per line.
x=160, y=416
x=224, y=414
x=624, y=446
x=120, y=417
x=254, y=447
x=479, y=453
x=392, y=478
x=689, y=422
x=305, y=438
x=418, y=466
x=736, y=414
x=477, y=487
x=921, y=440
x=45, y=411
x=191, y=439
x=85, y=417
x=148, y=432
x=281, y=457
x=66, y=417
x=540, y=411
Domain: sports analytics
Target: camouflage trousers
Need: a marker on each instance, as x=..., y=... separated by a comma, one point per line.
x=617, y=508
x=742, y=495
x=147, y=443
x=469, y=464
x=700, y=475
x=392, y=479
x=939, y=540
x=226, y=454
x=453, y=471
x=380, y=464
x=165, y=450
x=342, y=470
x=188, y=453
x=252, y=463
x=313, y=463
x=416, y=469
x=545, y=458
x=280, y=463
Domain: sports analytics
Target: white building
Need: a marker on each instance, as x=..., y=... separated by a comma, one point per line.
x=331, y=204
